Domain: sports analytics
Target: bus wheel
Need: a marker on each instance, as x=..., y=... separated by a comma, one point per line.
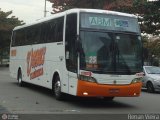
x=20, y=82
x=57, y=89
x=108, y=98
x=150, y=87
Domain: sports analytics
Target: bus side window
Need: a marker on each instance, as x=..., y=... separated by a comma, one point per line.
x=29, y=36
x=55, y=30
x=33, y=34
x=59, y=29
x=70, y=37
x=51, y=31
x=13, y=38
x=44, y=32
x=16, y=43
x=19, y=37
x=36, y=34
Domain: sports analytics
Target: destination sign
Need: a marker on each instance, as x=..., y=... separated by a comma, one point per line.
x=121, y=23
x=109, y=22
x=100, y=21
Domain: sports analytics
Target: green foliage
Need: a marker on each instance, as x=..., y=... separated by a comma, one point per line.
x=149, y=16
x=154, y=48
x=61, y=5
x=6, y=25
x=148, y=13
x=151, y=49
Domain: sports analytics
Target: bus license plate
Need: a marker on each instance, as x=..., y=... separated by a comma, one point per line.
x=114, y=90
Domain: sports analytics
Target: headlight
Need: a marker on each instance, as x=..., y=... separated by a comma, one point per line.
x=87, y=78
x=156, y=80
x=136, y=80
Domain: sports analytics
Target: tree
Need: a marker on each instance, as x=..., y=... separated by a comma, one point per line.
x=150, y=18
x=118, y=5
x=148, y=13
x=61, y=5
x=154, y=51
x=6, y=25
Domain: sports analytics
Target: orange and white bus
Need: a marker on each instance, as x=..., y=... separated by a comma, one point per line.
x=81, y=52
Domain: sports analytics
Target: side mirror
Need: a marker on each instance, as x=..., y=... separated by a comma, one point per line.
x=144, y=74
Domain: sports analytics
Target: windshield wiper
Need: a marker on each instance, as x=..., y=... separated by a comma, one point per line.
x=154, y=73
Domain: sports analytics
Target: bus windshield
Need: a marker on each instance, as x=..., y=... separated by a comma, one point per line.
x=110, y=52
x=111, y=43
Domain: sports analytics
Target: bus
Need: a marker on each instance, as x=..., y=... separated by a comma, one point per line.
x=81, y=52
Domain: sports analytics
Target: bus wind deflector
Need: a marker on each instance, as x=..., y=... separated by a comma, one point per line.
x=79, y=52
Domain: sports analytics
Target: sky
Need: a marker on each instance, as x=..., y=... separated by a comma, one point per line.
x=26, y=10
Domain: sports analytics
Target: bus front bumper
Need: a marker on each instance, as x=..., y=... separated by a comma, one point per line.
x=89, y=89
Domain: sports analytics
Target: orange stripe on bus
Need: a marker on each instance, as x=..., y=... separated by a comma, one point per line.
x=89, y=89
x=13, y=52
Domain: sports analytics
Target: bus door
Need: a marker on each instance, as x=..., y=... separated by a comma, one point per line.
x=70, y=51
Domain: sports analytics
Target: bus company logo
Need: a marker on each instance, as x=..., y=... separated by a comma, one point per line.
x=4, y=116
x=114, y=82
x=13, y=52
x=35, y=61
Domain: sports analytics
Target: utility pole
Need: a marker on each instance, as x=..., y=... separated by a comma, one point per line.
x=45, y=11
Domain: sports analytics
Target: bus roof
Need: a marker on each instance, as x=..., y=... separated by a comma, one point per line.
x=75, y=10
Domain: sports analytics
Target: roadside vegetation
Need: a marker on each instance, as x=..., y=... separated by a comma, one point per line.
x=7, y=23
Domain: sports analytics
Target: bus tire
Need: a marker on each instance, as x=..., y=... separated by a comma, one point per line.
x=150, y=87
x=19, y=78
x=57, y=88
x=108, y=98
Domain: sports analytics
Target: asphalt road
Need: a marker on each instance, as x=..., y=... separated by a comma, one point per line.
x=37, y=100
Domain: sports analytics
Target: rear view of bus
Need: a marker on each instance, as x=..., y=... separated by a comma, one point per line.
x=110, y=55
